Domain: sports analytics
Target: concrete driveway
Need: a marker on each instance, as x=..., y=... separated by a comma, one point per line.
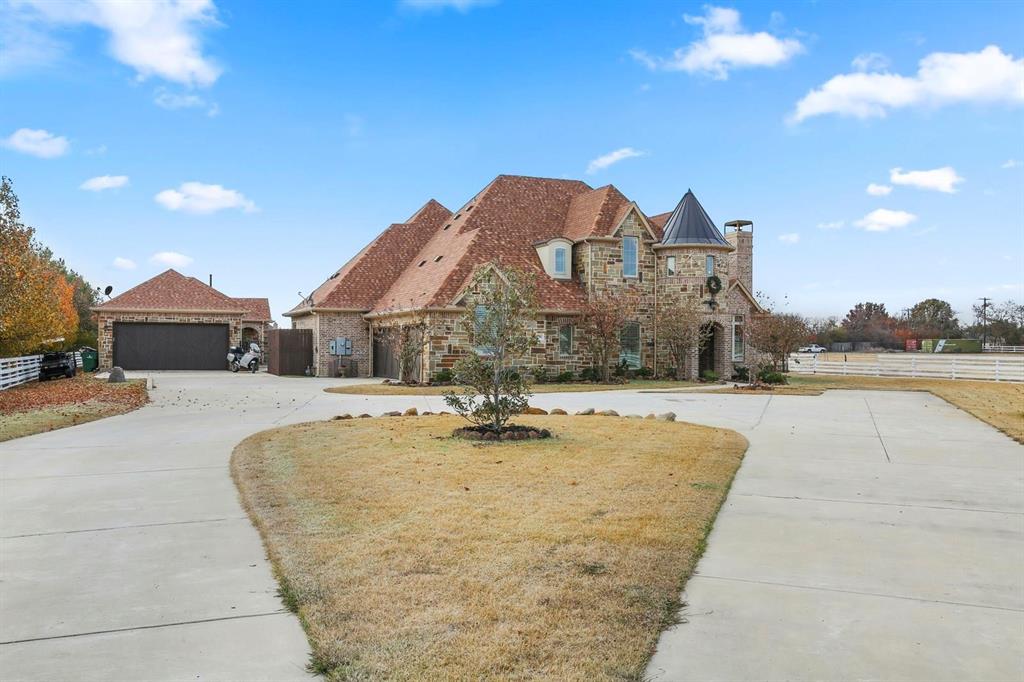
x=867, y=535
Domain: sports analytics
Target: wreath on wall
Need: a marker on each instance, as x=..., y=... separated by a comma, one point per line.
x=713, y=284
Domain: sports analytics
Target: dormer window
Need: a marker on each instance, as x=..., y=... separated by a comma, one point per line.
x=561, y=261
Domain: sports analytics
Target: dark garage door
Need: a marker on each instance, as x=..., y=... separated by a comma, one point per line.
x=140, y=345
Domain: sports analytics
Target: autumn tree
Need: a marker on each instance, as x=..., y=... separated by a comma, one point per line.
x=601, y=325
x=681, y=330
x=870, y=322
x=407, y=341
x=37, y=305
x=934, y=318
x=777, y=335
x=501, y=311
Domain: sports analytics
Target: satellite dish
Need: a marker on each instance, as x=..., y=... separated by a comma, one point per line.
x=106, y=292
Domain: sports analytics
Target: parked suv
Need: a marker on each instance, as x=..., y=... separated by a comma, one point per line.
x=58, y=364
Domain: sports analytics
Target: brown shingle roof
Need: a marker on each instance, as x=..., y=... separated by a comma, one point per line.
x=595, y=213
x=172, y=290
x=369, y=274
x=500, y=224
x=256, y=309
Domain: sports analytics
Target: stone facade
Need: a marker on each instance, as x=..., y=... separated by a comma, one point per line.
x=105, y=327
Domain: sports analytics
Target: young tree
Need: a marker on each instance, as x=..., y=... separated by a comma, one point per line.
x=501, y=309
x=602, y=321
x=777, y=335
x=681, y=329
x=37, y=303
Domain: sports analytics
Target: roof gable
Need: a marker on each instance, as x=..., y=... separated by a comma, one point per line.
x=170, y=290
x=256, y=309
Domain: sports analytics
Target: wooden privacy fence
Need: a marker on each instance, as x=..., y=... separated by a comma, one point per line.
x=981, y=367
x=15, y=371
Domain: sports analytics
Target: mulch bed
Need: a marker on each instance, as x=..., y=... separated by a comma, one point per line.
x=81, y=389
x=510, y=432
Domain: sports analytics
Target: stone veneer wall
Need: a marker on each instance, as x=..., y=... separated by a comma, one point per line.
x=105, y=327
x=330, y=325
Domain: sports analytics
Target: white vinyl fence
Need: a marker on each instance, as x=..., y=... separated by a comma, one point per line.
x=15, y=371
x=934, y=366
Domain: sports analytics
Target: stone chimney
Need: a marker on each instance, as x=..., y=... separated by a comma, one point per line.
x=741, y=261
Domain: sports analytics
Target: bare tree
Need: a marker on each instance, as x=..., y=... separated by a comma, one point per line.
x=407, y=341
x=501, y=309
x=602, y=321
x=681, y=329
x=776, y=335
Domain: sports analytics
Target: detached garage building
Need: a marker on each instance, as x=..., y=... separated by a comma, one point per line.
x=176, y=322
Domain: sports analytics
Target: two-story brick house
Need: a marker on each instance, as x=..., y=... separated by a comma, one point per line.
x=579, y=241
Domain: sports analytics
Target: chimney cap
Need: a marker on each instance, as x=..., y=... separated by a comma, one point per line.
x=739, y=223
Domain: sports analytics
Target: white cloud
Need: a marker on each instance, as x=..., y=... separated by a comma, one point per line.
x=834, y=225
x=126, y=263
x=171, y=259
x=884, y=219
x=790, y=237
x=942, y=179
x=23, y=44
x=156, y=38
x=102, y=182
x=988, y=76
x=725, y=46
x=1011, y=163
x=870, y=61
x=876, y=190
x=41, y=143
x=611, y=158
x=166, y=99
x=197, y=197
x=457, y=5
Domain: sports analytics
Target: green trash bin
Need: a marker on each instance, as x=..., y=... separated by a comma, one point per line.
x=90, y=359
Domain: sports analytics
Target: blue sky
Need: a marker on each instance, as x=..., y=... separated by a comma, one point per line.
x=266, y=143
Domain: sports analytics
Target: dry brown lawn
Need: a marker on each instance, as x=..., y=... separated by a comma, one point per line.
x=48, y=405
x=390, y=389
x=410, y=555
x=1000, y=404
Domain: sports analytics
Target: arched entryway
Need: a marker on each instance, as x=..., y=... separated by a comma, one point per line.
x=712, y=350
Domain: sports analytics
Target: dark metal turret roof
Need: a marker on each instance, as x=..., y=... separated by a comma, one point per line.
x=690, y=224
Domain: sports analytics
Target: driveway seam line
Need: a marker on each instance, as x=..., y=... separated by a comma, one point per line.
x=859, y=592
x=879, y=433
x=109, y=473
x=144, y=627
x=763, y=411
x=129, y=527
x=884, y=504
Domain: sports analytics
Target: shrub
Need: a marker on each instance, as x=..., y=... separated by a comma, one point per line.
x=443, y=376
x=540, y=375
x=709, y=375
x=740, y=373
x=563, y=377
x=770, y=376
x=644, y=373
x=590, y=374
x=621, y=369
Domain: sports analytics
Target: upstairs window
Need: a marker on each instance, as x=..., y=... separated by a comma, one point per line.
x=709, y=265
x=561, y=266
x=629, y=344
x=630, y=256
x=482, y=323
x=670, y=266
x=565, y=340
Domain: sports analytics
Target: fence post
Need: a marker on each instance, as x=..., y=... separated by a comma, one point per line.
x=997, y=369
x=913, y=367
x=952, y=365
x=814, y=364
x=844, y=367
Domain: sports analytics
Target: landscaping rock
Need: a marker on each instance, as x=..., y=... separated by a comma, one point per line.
x=667, y=417
x=558, y=410
x=633, y=416
x=365, y=416
x=341, y=416
x=534, y=410
x=411, y=412
x=650, y=416
x=589, y=410
x=392, y=413
x=425, y=413
x=608, y=413
x=116, y=376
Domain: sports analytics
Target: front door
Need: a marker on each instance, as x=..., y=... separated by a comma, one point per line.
x=706, y=360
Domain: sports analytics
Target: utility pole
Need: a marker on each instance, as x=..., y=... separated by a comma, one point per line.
x=985, y=303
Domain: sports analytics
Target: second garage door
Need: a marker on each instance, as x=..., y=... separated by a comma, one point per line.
x=142, y=345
